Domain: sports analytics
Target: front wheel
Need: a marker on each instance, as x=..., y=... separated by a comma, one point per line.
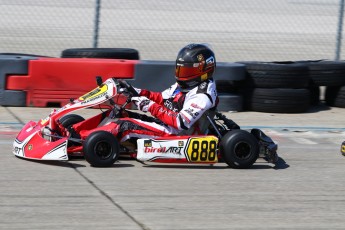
x=101, y=149
x=67, y=122
x=239, y=149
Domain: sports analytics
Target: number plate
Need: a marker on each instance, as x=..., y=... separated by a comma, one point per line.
x=202, y=149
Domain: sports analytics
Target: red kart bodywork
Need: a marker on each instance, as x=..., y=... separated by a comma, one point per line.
x=36, y=140
x=51, y=139
x=48, y=140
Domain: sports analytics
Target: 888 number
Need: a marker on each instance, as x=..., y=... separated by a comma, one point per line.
x=203, y=150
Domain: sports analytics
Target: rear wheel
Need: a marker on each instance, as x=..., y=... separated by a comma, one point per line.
x=239, y=149
x=101, y=149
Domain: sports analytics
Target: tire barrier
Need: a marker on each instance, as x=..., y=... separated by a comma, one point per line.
x=276, y=75
x=279, y=100
x=326, y=73
x=230, y=102
x=107, y=53
x=335, y=96
x=277, y=87
x=330, y=74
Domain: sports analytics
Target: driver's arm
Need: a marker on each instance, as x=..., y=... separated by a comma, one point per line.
x=153, y=96
x=192, y=110
x=157, y=97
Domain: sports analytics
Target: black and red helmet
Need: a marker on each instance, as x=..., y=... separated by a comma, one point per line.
x=195, y=63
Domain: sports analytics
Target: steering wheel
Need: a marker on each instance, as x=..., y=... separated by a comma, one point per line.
x=129, y=87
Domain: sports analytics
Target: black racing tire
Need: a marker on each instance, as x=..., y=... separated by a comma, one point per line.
x=226, y=86
x=70, y=119
x=326, y=73
x=230, y=102
x=239, y=149
x=335, y=96
x=278, y=100
x=107, y=53
x=19, y=55
x=314, y=94
x=101, y=149
x=276, y=75
x=67, y=122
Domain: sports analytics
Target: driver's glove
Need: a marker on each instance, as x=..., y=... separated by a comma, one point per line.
x=143, y=103
x=125, y=91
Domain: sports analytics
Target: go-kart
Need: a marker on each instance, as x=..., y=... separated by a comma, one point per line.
x=342, y=148
x=54, y=137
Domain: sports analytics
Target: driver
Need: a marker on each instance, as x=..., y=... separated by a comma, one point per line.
x=177, y=108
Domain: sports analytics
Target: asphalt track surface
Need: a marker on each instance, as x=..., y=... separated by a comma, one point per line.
x=304, y=191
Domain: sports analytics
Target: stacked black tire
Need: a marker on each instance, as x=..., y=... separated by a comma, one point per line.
x=330, y=74
x=276, y=87
x=105, y=53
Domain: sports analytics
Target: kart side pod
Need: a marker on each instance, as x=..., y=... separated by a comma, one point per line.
x=179, y=149
x=238, y=148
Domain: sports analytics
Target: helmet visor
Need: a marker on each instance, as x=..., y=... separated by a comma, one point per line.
x=187, y=72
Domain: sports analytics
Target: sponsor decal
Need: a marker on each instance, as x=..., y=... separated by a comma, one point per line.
x=94, y=93
x=191, y=113
x=170, y=105
x=180, y=143
x=93, y=98
x=147, y=143
x=168, y=112
x=196, y=106
x=171, y=149
x=210, y=61
x=201, y=61
x=30, y=147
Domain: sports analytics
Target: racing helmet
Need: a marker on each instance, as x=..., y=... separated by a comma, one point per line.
x=195, y=63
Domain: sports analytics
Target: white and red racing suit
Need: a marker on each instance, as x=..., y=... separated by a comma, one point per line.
x=173, y=109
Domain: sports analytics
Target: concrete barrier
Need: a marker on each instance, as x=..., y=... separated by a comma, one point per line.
x=53, y=81
x=13, y=64
x=41, y=81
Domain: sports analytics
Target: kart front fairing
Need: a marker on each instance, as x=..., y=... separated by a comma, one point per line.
x=42, y=141
x=32, y=145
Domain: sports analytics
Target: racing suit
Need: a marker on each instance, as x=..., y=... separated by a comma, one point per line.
x=173, y=111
